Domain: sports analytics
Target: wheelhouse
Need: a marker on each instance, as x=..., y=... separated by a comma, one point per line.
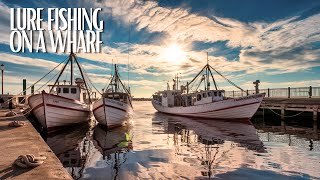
x=171, y=98
x=118, y=96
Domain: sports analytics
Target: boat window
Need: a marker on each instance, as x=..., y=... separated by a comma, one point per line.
x=73, y=90
x=65, y=90
x=204, y=95
x=199, y=97
x=209, y=94
x=219, y=93
x=59, y=90
x=215, y=93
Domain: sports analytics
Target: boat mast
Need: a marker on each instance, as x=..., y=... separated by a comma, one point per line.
x=71, y=64
x=116, y=78
x=207, y=74
x=84, y=79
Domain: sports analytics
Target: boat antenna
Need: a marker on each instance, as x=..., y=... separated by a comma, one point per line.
x=207, y=74
x=129, y=52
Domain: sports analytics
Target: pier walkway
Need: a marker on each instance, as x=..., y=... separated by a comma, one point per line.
x=15, y=141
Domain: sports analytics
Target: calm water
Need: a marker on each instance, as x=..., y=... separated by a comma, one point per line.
x=159, y=146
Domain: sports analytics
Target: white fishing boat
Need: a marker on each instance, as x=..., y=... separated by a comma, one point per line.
x=65, y=104
x=115, y=106
x=205, y=103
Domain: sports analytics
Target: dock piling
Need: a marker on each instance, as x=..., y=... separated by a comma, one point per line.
x=315, y=113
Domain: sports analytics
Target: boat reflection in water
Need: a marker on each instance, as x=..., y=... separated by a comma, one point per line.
x=208, y=144
x=79, y=148
x=71, y=145
x=161, y=146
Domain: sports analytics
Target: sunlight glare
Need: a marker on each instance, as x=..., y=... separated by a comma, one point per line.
x=174, y=54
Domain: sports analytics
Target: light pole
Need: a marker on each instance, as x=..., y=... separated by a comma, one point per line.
x=2, y=70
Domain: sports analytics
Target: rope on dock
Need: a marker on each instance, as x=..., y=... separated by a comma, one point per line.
x=29, y=160
x=11, y=113
x=16, y=124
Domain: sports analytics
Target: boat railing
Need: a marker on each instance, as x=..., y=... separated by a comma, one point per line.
x=290, y=92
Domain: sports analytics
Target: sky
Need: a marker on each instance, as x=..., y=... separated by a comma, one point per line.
x=275, y=41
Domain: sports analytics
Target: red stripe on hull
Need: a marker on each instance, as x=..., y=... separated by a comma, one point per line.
x=61, y=107
x=38, y=106
x=231, y=107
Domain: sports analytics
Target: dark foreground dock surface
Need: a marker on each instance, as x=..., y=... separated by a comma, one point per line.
x=15, y=141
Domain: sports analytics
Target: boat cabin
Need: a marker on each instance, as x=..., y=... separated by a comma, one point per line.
x=204, y=97
x=71, y=92
x=171, y=98
x=118, y=96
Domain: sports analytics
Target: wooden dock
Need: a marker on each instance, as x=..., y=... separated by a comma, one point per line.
x=24, y=140
x=311, y=105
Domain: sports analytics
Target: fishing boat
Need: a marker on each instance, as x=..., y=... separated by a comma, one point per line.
x=64, y=104
x=191, y=101
x=115, y=105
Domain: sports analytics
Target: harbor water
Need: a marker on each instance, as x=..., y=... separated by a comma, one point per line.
x=160, y=146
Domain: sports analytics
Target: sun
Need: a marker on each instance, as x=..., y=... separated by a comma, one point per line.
x=174, y=53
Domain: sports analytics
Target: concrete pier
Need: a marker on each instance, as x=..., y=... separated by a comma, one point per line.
x=15, y=141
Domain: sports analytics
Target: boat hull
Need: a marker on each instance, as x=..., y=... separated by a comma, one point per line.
x=111, y=113
x=238, y=108
x=53, y=111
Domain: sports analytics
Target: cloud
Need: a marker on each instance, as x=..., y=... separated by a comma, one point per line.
x=21, y=60
x=263, y=45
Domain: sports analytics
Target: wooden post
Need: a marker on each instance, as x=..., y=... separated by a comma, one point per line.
x=268, y=92
x=315, y=126
x=310, y=91
x=315, y=113
x=247, y=92
x=288, y=92
x=282, y=113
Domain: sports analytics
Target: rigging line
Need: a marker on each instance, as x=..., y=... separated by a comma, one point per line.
x=107, y=83
x=40, y=88
x=69, y=57
x=129, y=51
x=197, y=74
x=36, y=81
x=193, y=83
x=227, y=79
x=87, y=76
x=85, y=83
x=215, y=85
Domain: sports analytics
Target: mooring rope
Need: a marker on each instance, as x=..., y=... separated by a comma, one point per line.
x=282, y=115
x=16, y=124
x=29, y=161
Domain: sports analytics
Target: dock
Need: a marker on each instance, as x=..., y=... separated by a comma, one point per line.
x=281, y=100
x=311, y=105
x=24, y=140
